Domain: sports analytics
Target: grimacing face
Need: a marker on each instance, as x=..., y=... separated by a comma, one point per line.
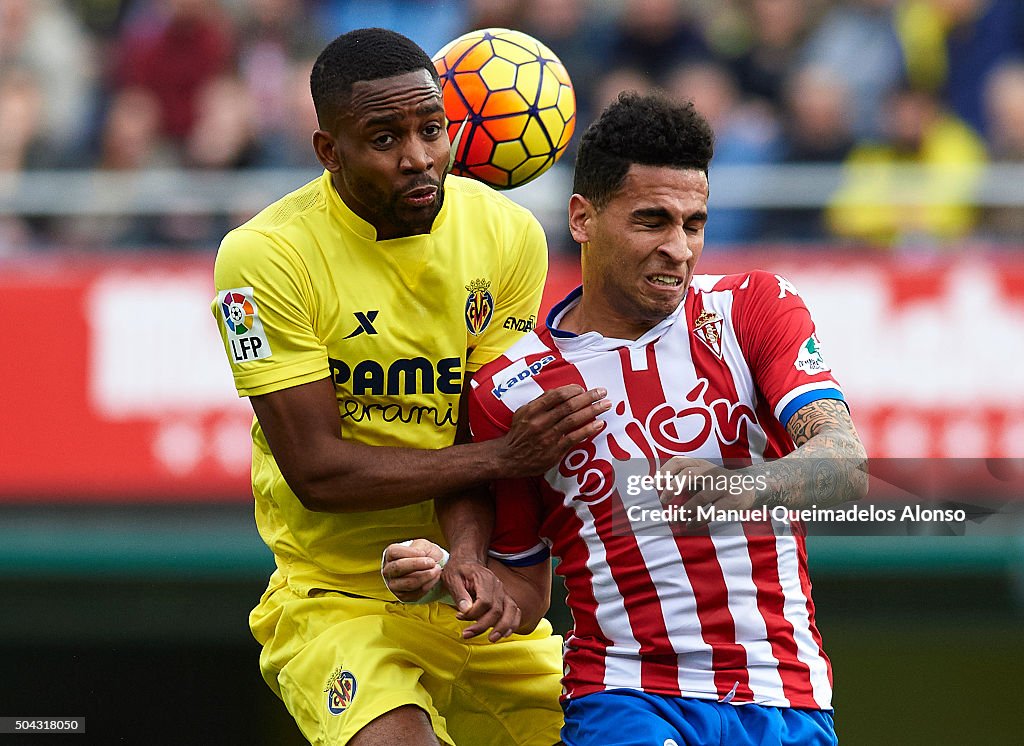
x=388, y=153
x=640, y=249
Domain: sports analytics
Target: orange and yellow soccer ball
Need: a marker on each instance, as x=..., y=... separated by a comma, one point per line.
x=510, y=105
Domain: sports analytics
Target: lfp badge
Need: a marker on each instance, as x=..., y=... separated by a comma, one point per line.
x=479, y=306
x=340, y=691
x=238, y=312
x=245, y=336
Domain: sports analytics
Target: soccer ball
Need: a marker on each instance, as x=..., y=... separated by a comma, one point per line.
x=510, y=106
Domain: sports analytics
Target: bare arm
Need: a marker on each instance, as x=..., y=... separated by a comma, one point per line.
x=481, y=589
x=529, y=587
x=328, y=473
x=467, y=519
x=829, y=466
x=466, y=516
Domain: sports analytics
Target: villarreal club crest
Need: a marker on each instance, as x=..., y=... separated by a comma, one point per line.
x=479, y=306
x=340, y=691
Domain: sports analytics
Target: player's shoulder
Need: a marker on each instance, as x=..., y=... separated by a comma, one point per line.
x=521, y=354
x=276, y=226
x=483, y=201
x=308, y=201
x=524, y=360
x=753, y=280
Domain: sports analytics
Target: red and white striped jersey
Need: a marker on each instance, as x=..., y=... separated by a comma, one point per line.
x=720, y=615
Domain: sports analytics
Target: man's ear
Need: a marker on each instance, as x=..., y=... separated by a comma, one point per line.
x=326, y=151
x=581, y=212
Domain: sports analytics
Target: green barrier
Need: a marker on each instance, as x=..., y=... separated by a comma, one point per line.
x=229, y=546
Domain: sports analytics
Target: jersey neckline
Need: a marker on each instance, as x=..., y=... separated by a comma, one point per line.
x=567, y=341
x=365, y=230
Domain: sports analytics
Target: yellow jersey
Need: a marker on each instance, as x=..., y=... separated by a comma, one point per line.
x=305, y=291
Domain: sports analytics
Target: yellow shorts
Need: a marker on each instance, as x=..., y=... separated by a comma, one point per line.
x=339, y=662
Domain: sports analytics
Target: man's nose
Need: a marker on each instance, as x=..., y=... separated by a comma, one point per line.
x=677, y=246
x=416, y=159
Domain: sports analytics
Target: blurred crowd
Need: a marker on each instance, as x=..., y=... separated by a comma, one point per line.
x=136, y=85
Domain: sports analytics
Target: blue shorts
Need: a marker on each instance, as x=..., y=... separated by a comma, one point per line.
x=625, y=717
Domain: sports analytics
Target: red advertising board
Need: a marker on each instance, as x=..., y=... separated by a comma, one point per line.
x=116, y=386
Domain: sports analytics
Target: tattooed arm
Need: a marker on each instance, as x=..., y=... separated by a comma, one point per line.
x=829, y=466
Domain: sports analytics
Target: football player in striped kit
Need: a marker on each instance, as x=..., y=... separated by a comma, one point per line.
x=687, y=629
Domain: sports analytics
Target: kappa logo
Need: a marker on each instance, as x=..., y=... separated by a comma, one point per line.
x=340, y=691
x=785, y=286
x=365, y=323
x=534, y=368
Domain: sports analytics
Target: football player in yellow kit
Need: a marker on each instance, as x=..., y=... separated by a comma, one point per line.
x=352, y=312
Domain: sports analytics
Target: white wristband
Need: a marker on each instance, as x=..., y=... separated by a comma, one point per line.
x=440, y=591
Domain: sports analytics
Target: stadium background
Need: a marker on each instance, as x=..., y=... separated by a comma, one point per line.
x=134, y=133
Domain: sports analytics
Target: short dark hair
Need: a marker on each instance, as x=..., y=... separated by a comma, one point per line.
x=648, y=129
x=362, y=54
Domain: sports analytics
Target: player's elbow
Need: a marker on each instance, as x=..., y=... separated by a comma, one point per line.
x=310, y=494
x=316, y=493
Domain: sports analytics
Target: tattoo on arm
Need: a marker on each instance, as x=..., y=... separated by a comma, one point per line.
x=829, y=465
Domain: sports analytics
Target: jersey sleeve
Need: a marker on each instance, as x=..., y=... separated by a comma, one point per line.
x=781, y=345
x=265, y=313
x=517, y=503
x=517, y=300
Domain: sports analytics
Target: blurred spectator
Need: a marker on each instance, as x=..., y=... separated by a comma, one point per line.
x=818, y=117
x=21, y=118
x=745, y=135
x=481, y=14
x=131, y=139
x=816, y=129
x=290, y=144
x=130, y=143
x=951, y=46
x=224, y=84
x=611, y=84
x=224, y=135
x=102, y=18
x=272, y=34
x=655, y=37
x=21, y=115
x=173, y=48
x=778, y=29
x=1004, y=104
x=884, y=204
x=430, y=23
x=839, y=43
x=577, y=36
x=45, y=39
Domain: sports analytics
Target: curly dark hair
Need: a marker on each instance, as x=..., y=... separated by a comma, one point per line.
x=649, y=129
x=362, y=54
